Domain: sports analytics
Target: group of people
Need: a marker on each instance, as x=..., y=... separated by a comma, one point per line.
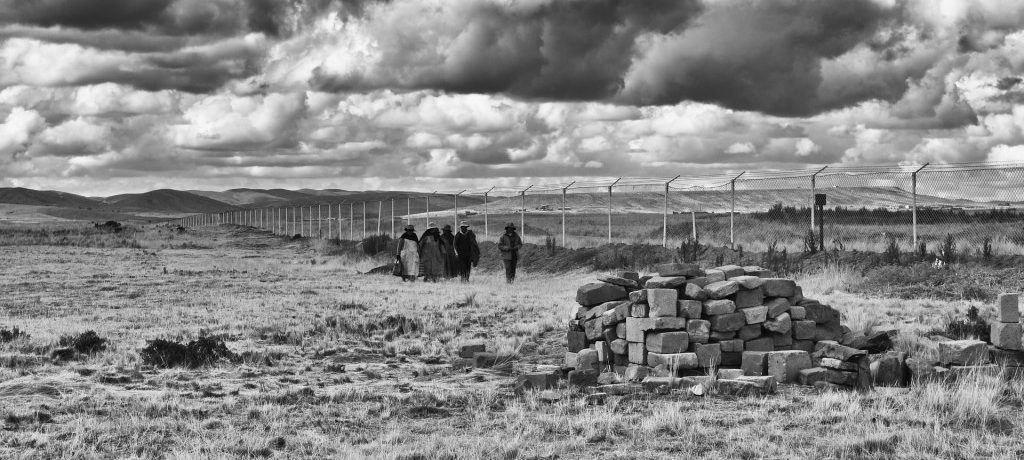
x=440, y=254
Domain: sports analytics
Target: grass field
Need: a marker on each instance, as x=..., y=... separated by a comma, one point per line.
x=338, y=364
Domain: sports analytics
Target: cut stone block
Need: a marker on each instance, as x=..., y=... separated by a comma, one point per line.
x=690, y=309
x=1006, y=335
x=663, y=282
x=537, y=381
x=662, y=302
x=722, y=289
x=609, y=333
x=708, y=355
x=738, y=388
x=765, y=383
x=1009, y=308
x=805, y=345
x=782, y=341
x=731, y=346
x=834, y=350
x=619, y=281
x=749, y=282
x=608, y=378
x=718, y=336
x=797, y=296
x=469, y=349
x=755, y=363
x=780, y=325
x=636, y=373
x=731, y=359
x=718, y=307
x=779, y=287
x=731, y=271
x=587, y=359
x=571, y=359
x=598, y=310
x=714, y=276
x=584, y=378
x=813, y=375
x=889, y=370
x=777, y=306
x=604, y=352
x=637, y=353
x=832, y=363
x=699, y=330
x=694, y=292
x=619, y=346
x=576, y=340
x=638, y=296
x=747, y=298
x=674, y=362
x=797, y=312
x=678, y=269
x=785, y=366
x=592, y=294
x=819, y=313
x=699, y=281
x=594, y=329
x=1007, y=358
x=629, y=275
x=963, y=352
x=620, y=330
x=661, y=385
x=730, y=374
x=829, y=331
x=728, y=322
x=667, y=342
x=485, y=360
x=803, y=330
x=749, y=332
x=760, y=272
x=639, y=310
x=762, y=344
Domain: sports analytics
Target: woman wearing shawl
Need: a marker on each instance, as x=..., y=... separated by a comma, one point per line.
x=431, y=254
x=451, y=260
x=408, y=254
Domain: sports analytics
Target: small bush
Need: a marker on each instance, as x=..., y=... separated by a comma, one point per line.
x=922, y=250
x=947, y=252
x=986, y=248
x=86, y=343
x=11, y=335
x=969, y=327
x=551, y=245
x=810, y=242
x=691, y=250
x=376, y=244
x=891, y=255
x=197, y=353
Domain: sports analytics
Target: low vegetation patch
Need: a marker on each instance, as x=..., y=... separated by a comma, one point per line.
x=203, y=351
x=11, y=335
x=86, y=343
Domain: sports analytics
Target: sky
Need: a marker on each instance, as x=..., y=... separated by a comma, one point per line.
x=101, y=97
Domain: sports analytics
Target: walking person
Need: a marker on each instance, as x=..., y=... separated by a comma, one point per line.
x=467, y=249
x=431, y=254
x=408, y=254
x=451, y=260
x=509, y=245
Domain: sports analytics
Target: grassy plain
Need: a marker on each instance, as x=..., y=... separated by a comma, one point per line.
x=343, y=365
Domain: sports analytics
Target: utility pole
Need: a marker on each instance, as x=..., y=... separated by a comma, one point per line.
x=610, y=209
x=664, y=224
x=913, y=178
x=814, y=186
x=732, y=212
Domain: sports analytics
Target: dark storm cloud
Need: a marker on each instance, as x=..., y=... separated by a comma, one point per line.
x=84, y=14
x=555, y=50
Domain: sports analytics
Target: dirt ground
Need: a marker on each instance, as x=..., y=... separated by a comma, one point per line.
x=336, y=364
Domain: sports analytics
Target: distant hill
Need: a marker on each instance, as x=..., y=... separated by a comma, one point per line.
x=168, y=201
x=19, y=195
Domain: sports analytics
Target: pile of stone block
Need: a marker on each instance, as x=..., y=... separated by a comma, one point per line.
x=686, y=320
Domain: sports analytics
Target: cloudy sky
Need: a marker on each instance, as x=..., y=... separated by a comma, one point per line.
x=109, y=96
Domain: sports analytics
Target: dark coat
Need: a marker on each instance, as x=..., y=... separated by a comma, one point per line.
x=509, y=245
x=451, y=261
x=431, y=255
x=466, y=247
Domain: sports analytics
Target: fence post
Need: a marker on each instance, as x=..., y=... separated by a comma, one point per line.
x=610, y=209
x=664, y=215
x=339, y=221
x=456, y=224
x=522, y=217
x=380, y=213
x=428, y=209
x=814, y=188
x=351, y=221
x=364, y=220
x=732, y=212
x=486, y=235
x=564, y=190
x=913, y=179
x=392, y=217
x=408, y=210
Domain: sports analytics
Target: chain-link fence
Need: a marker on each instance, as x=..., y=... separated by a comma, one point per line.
x=977, y=208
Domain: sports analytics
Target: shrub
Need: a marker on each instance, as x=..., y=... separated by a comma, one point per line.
x=375, y=244
x=200, y=352
x=86, y=343
x=986, y=248
x=891, y=255
x=551, y=244
x=969, y=327
x=11, y=335
x=922, y=250
x=947, y=252
x=810, y=242
x=691, y=250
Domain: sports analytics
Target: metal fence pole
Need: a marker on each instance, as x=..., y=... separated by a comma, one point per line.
x=455, y=225
x=486, y=234
x=693, y=221
x=913, y=179
x=610, y=209
x=392, y=217
x=319, y=221
x=428, y=209
x=408, y=210
x=351, y=221
x=814, y=188
x=564, y=190
x=330, y=225
x=339, y=221
x=522, y=217
x=664, y=215
x=732, y=212
x=364, y=220
x=380, y=212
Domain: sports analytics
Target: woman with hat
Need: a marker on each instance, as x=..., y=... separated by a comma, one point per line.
x=467, y=249
x=509, y=245
x=451, y=260
x=431, y=254
x=408, y=254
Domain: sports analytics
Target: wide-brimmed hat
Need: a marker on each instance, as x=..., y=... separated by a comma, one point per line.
x=463, y=224
x=447, y=227
x=510, y=225
x=410, y=228
x=431, y=225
